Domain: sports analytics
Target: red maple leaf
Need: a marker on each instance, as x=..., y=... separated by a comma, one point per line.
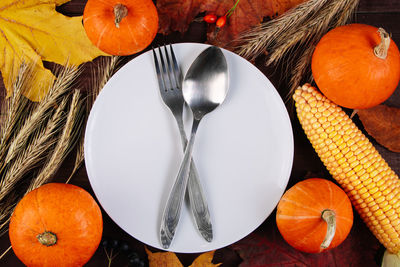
x=176, y=15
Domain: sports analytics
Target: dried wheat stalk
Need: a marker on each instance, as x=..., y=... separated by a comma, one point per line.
x=13, y=109
x=106, y=68
x=32, y=153
x=71, y=130
x=60, y=87
x=293, y=36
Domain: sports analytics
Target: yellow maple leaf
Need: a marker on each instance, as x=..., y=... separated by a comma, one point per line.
x=169, y=259
x=32, y=31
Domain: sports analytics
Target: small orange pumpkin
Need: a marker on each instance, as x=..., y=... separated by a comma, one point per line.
x=56, y=225
x=356, y=66
x=314, y=215
x=120, y=27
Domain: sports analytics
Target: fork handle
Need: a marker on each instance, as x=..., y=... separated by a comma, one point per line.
x=172, y=211
x=197, y=199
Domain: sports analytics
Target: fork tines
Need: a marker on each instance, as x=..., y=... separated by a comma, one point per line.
x=169, y=68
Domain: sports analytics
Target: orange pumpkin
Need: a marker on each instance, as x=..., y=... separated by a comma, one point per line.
x=314, y=215
x=356, y=66
x=120, y=27
x=56, y=225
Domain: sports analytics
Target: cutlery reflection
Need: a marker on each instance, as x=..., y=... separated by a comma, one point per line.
x=170, y=79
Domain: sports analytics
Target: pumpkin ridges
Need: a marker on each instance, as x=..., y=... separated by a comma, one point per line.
x=312, y=228
x=312, y=238
x=19, y=232
x=132, y=35
x=315, y=237
x=307, y=233
x=143, y=21
x=305, y=187
x=142, y=17
x=57, y=223
x=298, y=205
x=346, y=69
x=305, y=194
x=343, y=202
x=292, y=217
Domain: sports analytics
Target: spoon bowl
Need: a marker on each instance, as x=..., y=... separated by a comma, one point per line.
x=206, y=82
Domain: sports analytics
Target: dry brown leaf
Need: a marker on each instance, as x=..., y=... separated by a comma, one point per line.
x=176, y=15
x=169, y=259
x=205, y=260
x=383, y=124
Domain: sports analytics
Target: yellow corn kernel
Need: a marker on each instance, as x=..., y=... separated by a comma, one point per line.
x=328, y=114
x=389, y=211
x=380, y=199
x=357, y=184
x=384, y=222
x=368, y=183
x=395, y=222
x=368, y=199
x=351, y=142
x=394, y=236
x=340, y=159
x=351, y=173
x=363, y=174
x=353, y=160
x=332, y=134
x=374, y=190
x=396, y=205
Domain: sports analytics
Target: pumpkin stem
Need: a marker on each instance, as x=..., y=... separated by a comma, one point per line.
x=47, y=238
x=329, y=217
x=381, y=49
x=120, y=12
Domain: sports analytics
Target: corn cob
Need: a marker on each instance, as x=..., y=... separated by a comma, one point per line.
x=372, y=186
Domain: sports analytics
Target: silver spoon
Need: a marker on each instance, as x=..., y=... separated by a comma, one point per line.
x=204, y=88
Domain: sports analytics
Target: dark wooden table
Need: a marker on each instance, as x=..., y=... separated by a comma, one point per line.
x=265, y=244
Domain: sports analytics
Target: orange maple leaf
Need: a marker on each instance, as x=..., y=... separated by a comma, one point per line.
x=204, y=260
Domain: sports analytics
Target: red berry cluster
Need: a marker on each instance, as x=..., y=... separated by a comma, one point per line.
x=220, y=21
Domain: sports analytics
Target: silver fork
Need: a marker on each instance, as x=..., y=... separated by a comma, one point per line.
x=169, y=77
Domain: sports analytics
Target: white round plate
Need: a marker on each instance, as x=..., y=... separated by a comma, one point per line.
x=243, y=152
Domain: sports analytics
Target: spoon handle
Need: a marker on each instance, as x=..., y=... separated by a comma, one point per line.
x=197, y=199
x=172, y=211
x=198, y=205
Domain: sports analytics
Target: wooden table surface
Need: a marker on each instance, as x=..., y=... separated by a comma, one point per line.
x=360, y=248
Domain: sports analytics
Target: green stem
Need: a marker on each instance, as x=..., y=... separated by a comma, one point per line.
x=230, y=11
